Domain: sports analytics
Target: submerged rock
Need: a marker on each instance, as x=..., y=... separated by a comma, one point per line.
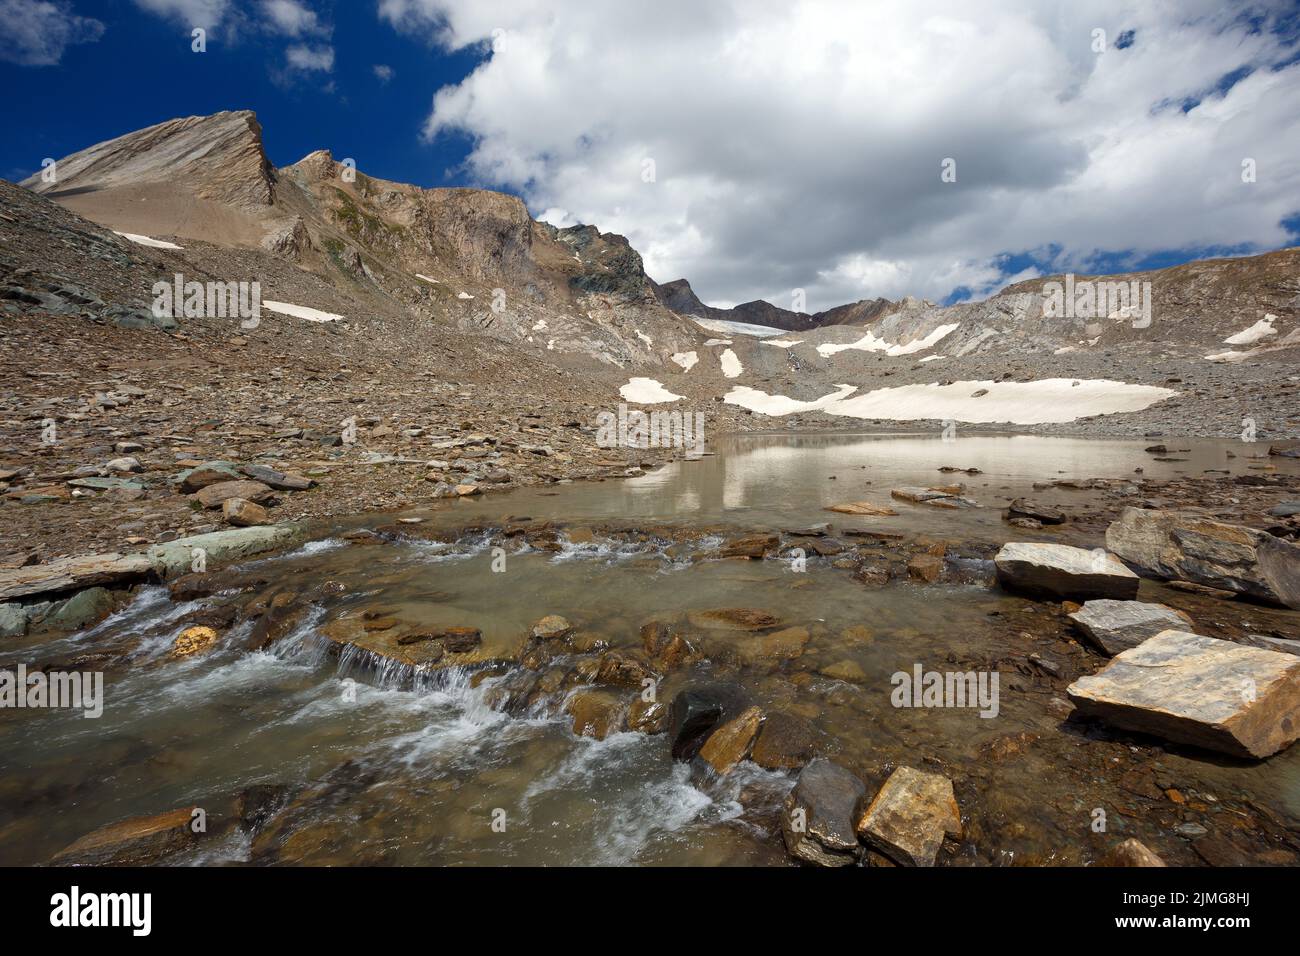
x=910, y=816
x=552, y=628
x=1190, y=547
x=1115, y=626
x=1060, y=572
x=862, y=508
x=1243, y=701
x=785, y=742
x=817, y=822
x=192, y=640
x=1024, y=508
x=734, y=618
x=139, y=841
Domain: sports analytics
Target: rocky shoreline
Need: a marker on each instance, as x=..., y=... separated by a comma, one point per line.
x=685, y=675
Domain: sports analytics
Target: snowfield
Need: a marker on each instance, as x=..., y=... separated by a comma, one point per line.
x=301, y=312
x=1261, y=329
x=736, y=328
x=1019, y=403
x=646, y=391
x=778, y=405
x=869, y=343
x=146, y=241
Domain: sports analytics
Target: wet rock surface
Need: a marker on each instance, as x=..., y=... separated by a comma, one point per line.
x=1115, y=626
x=1238, y=700
x=1063, y=572
x=817, y=822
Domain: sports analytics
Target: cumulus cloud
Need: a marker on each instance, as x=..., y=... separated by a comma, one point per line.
x=36, y=32
x=799, y=143
x=309, y=58
x=292, y=18
x=383, y=72
x=190, y=13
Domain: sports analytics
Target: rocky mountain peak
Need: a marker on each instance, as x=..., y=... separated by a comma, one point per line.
x=220, y=158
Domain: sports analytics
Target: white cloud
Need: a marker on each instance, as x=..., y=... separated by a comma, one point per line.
x=797, y=143
x=308, y=58
x=292, y=18
x=36, y=32
x=383, y=72
x=190, y=13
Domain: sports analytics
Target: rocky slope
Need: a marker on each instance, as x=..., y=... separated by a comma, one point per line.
x=459, y=319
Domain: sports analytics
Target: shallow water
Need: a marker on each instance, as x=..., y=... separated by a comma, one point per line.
x=387, y=769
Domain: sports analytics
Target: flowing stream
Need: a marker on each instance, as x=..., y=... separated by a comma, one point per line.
x=379, y=767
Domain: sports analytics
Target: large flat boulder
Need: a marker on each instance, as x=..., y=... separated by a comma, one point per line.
x=1115, y=626
x=177, y=557
x=1061, y=572
x=1183, y=546
x=70, y=574
x=1239, y=700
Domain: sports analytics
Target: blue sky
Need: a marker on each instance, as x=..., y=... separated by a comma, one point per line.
x=142, y=71
x=793, y=145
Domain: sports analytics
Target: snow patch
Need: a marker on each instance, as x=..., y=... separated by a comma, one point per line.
x=427, y=279
x=644, y=338
x=463, y=295
x=301, y=312
x=778, y=405
x=1261, y=329
x=646, y=391
x=869, y=343
x=933, y=358
x=727, y=327
x=783, y=343
x=146, y=241
x=686, y=360
x=712, y=342
x=1041, y=402
x=1226, y=356
x=1020, y=403
x=731, y=366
